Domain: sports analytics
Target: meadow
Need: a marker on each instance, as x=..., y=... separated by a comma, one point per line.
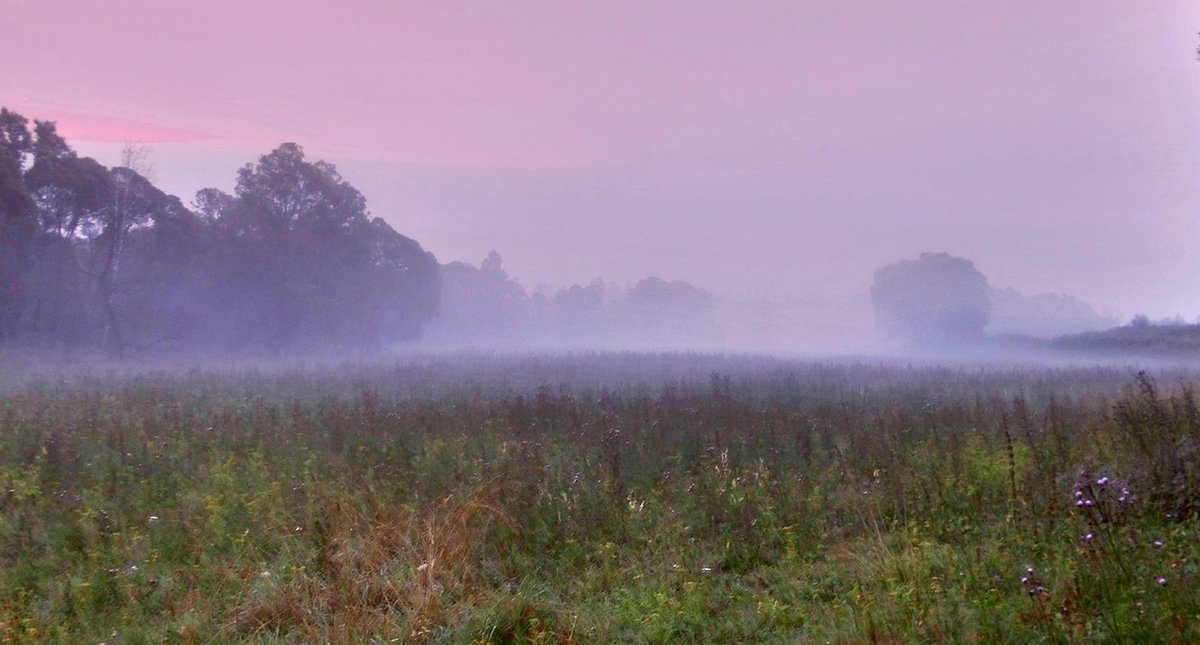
x=601, y=498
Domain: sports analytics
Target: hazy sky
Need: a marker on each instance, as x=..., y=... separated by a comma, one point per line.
x=756, y=148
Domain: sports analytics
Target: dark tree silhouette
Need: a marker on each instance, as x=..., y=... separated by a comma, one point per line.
x=71, y=194
x=301, y=261
x=18, y=221
x=101, y=258
x=657, y=296
x=935, y=298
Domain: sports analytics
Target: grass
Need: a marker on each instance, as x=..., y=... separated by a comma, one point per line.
x=601, y=498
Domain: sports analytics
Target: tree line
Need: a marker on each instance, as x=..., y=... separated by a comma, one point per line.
x=482, y=306
x=100, y=258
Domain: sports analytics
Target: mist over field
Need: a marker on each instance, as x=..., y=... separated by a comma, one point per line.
x=99, y=262
x=617, y=322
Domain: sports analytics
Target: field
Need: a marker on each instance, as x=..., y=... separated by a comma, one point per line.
x=601, y=498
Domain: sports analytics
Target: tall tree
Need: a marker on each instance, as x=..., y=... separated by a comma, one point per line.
x=18, y=221
x=71, y=194
x=306, y=263
x=405, y=282
x=133, y=203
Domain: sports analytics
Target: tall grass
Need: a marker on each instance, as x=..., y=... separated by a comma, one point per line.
x=602, y=498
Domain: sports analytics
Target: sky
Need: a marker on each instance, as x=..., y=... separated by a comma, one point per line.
x=759, y=149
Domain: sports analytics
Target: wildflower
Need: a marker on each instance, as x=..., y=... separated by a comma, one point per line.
x=1032, y=585
x=153, y=519
x=1162, y=582
x=1087, y=537
x=265, y=574
x=1103, y=481
x=1158, y=544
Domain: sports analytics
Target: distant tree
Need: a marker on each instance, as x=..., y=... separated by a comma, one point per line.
x=481, y=303
x=934, y=298
x=579, y=313
x=493, y=267
x=657, y=296
x=303, y=262
x=577, y=300
x=667, y=314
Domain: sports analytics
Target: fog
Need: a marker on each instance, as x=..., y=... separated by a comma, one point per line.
x=682, y=177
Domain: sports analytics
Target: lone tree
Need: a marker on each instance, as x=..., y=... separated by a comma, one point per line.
x=935, y=298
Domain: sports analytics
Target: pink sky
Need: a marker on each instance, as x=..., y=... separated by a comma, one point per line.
x=767, y=148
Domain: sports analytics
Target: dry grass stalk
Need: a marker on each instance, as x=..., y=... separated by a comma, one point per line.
x=380, y=568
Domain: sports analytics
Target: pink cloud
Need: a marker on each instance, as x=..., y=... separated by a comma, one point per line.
x=98, y=128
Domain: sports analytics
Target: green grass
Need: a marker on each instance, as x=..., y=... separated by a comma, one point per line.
x=610, y=498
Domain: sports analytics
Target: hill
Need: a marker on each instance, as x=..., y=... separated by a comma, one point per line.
x=1136, y=339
